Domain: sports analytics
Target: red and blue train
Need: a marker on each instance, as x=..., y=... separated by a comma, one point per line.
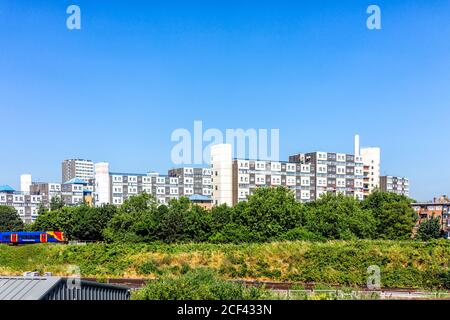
x=24, y=237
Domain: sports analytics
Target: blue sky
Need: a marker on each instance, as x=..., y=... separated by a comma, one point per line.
x=137, y=70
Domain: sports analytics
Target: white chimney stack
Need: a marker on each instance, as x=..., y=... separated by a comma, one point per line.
x=357, y=147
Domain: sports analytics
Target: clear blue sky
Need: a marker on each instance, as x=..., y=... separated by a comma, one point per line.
x=115, y=90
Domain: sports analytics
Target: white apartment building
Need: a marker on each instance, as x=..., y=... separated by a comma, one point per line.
x=77, y=168
x=372, y=167
x=337, y=173
x=309, y=175
x=398, y=185
x=26, y=205
x=249, y=175
x=193, y=181
x=116, y=187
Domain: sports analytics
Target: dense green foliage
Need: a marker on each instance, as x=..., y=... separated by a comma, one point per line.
x=81, y=222
x=198, y=284
x=394, y=217
x=10, y=219
x=409, y=264
x=429, y=229
x=340, y=217
x=270, y=214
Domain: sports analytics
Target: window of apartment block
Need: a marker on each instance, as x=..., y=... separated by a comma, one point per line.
x=305, y=168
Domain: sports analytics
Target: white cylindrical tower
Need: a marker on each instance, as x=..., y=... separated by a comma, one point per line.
x=25, y=182
x=222, y=174
x=102, y=184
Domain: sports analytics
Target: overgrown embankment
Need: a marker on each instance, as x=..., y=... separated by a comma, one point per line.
x=408, y=264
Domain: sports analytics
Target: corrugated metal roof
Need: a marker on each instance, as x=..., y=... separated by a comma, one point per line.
x=18, y=288
x=57, y=288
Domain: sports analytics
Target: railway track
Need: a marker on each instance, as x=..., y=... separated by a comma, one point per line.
x=400, y=293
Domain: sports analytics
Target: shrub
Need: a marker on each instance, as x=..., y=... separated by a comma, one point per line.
x=301, y=233
x=199, y=284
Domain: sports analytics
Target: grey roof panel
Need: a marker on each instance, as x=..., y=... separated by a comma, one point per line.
x=56, y=288
x=17, y=288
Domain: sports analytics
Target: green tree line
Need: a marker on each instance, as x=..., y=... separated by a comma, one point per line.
x=270, y=214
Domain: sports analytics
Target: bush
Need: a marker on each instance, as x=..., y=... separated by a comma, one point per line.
x=300, y=233
x=10, y=219
x=199, y=284
x=430, y=229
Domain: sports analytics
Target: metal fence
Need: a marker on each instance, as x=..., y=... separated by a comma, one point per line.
x=357, y=294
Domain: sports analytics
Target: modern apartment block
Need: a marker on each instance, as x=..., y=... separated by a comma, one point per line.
x=25, y=203
x=398, y=185
x=46, y=190
x=333, y=173
x=77, y=168
x=77, y=191
x=115, y=188
x=309, y=175
x=193, y=180
x=247, y=175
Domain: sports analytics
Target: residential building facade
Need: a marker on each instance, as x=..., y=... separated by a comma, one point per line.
x=46, y=190
x=116, y=187
x=439, y=207
x=193, y=180
x=372, y=167
x=309, y=175
x=398, y=185
x=247, y=175
x=77, y=168
x=77, y=191
x=337, y=173
x=25, y=203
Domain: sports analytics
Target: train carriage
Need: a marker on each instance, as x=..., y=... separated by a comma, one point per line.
x=23, y=237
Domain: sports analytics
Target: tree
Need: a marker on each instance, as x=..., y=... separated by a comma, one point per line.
x=184, y=221
x=56, y=203
x=268, y=213
x=393, y=214
x=88, y=223
x=339, y=217
x=429, y=229
x=10, y=219
x=134, y=220
x=56, y=220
